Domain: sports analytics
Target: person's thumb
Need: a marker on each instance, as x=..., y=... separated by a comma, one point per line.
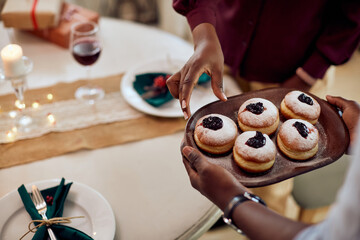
x=194, y=157
x=337, y=101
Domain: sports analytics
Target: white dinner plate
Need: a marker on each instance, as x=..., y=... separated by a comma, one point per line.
x=99, y=221
x=202, y=94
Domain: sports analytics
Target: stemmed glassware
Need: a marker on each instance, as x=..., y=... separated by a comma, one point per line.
x=19, y=84
x=85, y=46
x=16, y=69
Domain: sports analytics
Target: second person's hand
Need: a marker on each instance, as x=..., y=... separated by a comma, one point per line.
x=351, y=114
x=212, y=181
x=208, y=58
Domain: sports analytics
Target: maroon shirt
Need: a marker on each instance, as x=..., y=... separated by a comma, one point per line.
x=267, y=40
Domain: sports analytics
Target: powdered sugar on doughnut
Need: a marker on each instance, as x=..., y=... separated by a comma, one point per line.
x=301, y=108
x=292, y=138
x=219, y=137
x=265, y=119
x=263, y=154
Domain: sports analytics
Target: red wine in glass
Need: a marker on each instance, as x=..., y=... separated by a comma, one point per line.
x=86, y=52
x=86, y=48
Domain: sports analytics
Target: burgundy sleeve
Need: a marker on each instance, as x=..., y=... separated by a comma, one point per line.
x=197, y=11
x=338, y=41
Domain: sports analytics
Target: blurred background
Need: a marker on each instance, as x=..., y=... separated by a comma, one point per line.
x=158, y=13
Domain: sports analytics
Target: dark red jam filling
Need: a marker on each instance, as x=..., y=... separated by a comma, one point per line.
x=213, y=123
x=305, y=99
x=256, y=142
x=255, y=108
x=302, y=129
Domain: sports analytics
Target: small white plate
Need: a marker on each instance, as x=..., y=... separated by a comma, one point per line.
x=99, y=221
x=202, y=94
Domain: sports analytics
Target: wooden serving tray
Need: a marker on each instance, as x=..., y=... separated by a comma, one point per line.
x=333, y=142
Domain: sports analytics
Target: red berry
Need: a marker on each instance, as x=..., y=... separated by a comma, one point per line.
x=49, y=200
x=159, y=81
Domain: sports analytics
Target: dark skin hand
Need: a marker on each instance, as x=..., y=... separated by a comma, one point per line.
x=208, y=58
x=220, y=186
x=212, y=181
x=351, y=113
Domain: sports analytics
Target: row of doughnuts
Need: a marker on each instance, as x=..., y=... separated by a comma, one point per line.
x=258, y=118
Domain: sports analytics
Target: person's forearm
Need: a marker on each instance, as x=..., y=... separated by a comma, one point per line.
x=204, y=32
x=197, y=11
x=259, y=222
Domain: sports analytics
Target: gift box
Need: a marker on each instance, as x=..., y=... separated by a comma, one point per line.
x=70, y=14
x=31, y=14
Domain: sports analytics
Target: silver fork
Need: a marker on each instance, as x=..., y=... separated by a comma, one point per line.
x=41, y=207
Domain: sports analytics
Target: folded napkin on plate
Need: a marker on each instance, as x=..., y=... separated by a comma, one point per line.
x=152, y=87
x=58, y=194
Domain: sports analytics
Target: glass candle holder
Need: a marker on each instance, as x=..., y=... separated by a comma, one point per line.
x=24, y=122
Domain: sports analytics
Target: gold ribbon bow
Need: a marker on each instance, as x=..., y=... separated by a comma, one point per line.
x=48, y=222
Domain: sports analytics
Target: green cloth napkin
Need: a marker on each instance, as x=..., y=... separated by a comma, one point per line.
x=147, y=79
x=59, y=194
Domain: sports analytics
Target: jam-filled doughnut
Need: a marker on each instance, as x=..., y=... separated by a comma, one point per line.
x=298, y=139
x=299, y=105
x=254, y=152
x=215, y=133
x=258, y=114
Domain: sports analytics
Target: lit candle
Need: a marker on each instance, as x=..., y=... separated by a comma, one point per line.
x=13, y=62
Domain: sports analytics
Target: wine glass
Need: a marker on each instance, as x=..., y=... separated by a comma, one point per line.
x=85, y=46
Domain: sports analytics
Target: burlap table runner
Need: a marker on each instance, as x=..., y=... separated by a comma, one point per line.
x=98, y=136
